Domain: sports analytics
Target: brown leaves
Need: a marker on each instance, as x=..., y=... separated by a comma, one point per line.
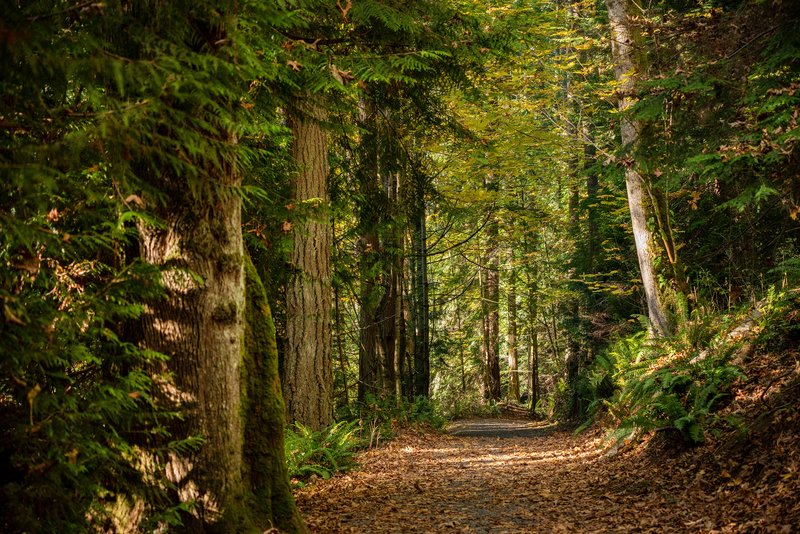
x=135, y=200
x=556, y=482
x=344, y=9
x=341, y=76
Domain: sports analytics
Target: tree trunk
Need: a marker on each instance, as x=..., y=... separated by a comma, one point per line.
x=592, y=190
x=626, y=67
x=201, y=327
x=370, y=351
x=490, y=299
x=308, y=381
x=340, y=346
x=422, y=373
x=265, y=416
x=533, y=343
x=513, y=352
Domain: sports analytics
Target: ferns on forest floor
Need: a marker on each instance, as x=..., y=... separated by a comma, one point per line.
x=320, y=453
x=677, y=383
x=332, y=450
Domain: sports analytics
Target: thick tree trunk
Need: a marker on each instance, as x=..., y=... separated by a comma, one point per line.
x=227, y=394
x=626, y=67
x=308, y=380
x=200, y=326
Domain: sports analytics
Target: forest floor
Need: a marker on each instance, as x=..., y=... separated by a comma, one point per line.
x=512, y=475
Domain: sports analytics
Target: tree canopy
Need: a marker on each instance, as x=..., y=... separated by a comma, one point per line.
x=366, y=208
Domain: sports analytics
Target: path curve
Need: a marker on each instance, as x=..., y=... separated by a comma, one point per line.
x=506, y=476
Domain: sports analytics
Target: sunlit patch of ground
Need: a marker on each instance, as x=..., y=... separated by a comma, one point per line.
x=499, y=476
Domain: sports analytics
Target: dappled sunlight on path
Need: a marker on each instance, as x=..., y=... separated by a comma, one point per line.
x=486, y=476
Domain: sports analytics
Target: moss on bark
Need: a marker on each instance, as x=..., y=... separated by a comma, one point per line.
x=272, y=503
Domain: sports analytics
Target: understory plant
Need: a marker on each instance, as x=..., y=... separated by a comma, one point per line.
x=676, y=383
x=320, y=453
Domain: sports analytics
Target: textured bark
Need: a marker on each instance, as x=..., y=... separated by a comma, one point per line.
x=625, y=68
x=419, y=283
x=200, y=326
x=308, y=380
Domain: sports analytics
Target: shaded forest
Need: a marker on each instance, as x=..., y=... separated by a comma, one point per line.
x=241, y=239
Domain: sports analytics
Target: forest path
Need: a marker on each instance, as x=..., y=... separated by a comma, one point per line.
x=501, y=475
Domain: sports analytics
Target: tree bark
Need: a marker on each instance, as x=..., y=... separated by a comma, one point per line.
x=370, y=348
x=200, y=327
x=490, y=299
x=226, y=388
x=626, y=68
x=422, y=373
x=513, y=351
x=308, y=380
x=265, y=416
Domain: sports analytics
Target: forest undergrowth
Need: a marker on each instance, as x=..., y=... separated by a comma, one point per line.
x=740, y=472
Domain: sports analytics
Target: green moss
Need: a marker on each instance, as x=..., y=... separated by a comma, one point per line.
x=271, y=502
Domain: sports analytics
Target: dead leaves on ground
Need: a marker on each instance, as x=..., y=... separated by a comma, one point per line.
x=425, y=482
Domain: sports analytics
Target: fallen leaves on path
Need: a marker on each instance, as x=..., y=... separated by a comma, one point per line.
x=527, y=477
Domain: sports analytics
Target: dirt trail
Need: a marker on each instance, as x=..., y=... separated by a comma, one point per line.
x=496, y=476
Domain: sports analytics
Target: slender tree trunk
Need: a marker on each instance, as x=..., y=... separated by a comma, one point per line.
x=592, y=189
x=490, y=299
x=399, y=346
x=626, y=68
x=370, y=359
x=513, y=352
x=533, y=343
x=390, y=281
x=409, y=322
x=308, y=381
x=421, y=305
x=461, y=358
x=340, y=346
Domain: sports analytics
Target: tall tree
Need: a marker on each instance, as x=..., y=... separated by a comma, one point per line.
x=308, y=375
x=490, y=299
x=513, y=350
x=626, y=68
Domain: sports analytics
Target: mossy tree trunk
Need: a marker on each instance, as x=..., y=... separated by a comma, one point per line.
x=264, y=455
x=222, y=369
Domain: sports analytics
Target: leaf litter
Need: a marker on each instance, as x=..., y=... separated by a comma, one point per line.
x=515, y=475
